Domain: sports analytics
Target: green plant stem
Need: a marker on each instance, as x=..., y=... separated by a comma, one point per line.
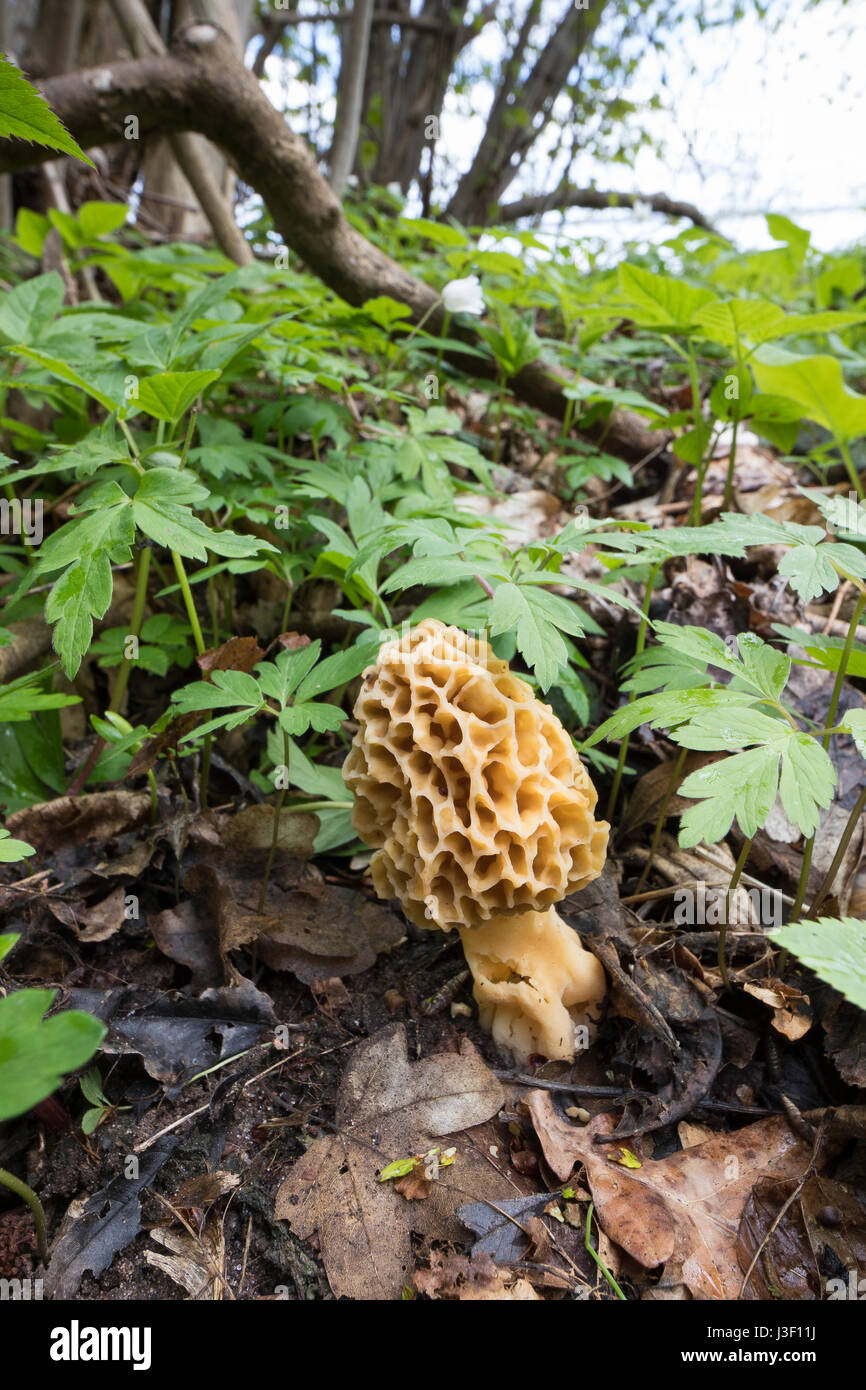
x=409, y=336
x=198, y=639
x=287, y=606
x=639, y=646
x=318, y=806
x=802, y=884
x=697, y=503
x=190, y=431
x=844, y=658
x=188, y=602
x=844, y=841
x=850, y=466
x=723, y=929
x=275, y=839
x=446, y=324
x=497, y=448
x=29, y=1196
x=732, y=463
x=142, y=563
x=662, y=816
x=590, y=1250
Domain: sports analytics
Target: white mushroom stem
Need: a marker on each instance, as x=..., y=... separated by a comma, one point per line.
x=533, y=981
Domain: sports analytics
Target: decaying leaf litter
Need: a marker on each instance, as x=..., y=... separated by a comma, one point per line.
x=267, y=1061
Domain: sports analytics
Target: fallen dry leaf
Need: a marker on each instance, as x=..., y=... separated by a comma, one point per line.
x=792, y=1016
x=69, y=821
x=454, y=1277
x=785, y=1267
x=237, y=654
x=101, y=921
x=683, y=1211
x=251, y=831
x=388, y=1107
x=312, y=928
x=836, y=1227
x=188, y=937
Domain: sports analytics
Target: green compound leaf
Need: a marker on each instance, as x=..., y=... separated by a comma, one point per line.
x=834, y=947
x=10, y=853
x=36, y=1053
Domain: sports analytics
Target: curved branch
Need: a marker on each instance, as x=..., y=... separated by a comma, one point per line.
x=569, y=197
x=200, y=85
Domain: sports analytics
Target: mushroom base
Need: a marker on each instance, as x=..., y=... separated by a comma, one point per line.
x=533, y=980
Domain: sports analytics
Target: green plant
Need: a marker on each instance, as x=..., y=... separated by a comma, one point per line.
x=100, y=1105
x=26, y=115
x=204, y=425
x=834, y=947
x=35, y=1054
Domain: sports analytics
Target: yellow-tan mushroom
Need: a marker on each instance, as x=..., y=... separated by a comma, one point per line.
x=481, y=816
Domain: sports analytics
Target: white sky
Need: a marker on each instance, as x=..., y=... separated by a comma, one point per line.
x=769, y=122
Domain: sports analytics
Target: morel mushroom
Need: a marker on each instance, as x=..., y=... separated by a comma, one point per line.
x=481, y=814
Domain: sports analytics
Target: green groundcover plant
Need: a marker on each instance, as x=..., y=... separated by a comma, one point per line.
x=200, y=426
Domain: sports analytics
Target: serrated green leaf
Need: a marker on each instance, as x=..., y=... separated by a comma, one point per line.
x=854, y=720
x=168, y=395
x=742, y=786
x=807, y=783
x=57, y=367
x=160, y=510
x=834, y=947
x=297, y=719
x=26, y=115
x=712, y=732
x=817, y=385
x=660, y=301
x=538, y=640
x=667, y=710
x=809, y=572
x=336, y=670
x=28, y=308
x=281, y=677
x=439, y=570
x=36, y=1053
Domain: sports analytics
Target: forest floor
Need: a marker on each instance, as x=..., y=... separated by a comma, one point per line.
x=249, y=1096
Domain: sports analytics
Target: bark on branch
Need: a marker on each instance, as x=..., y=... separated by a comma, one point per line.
x=201, y=86
x=569, y=197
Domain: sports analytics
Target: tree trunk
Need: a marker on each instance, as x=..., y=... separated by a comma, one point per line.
x=353, y=72
x=506, y=141
x=182, y=155
x=171, y=201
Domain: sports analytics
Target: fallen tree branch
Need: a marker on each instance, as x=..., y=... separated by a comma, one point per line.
x=568, y=197
x=201, y=86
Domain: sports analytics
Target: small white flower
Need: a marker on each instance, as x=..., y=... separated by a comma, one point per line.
x=352, y=181
x=395, y=190
x=641, y=208
x=464, y=296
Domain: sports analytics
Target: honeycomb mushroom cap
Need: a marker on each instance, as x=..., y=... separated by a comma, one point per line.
x=467, y=785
